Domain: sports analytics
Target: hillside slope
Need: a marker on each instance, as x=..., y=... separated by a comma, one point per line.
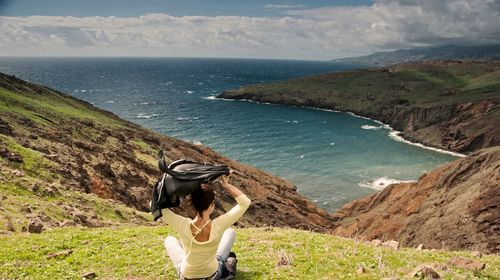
x=64, y=161
x=453, y=105
x=455, y=206
x=263, y=253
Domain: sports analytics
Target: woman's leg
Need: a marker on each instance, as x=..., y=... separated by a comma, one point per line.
x=226, y=243
x=174, y=250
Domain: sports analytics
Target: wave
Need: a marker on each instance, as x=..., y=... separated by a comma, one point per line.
x=110, y=102
x=212, y=97
x=395, y=135
x=144, y=116
x=382, y=182
x=188, y=118
x=371, y=127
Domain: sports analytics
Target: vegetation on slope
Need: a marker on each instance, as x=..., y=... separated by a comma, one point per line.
x=264, y=253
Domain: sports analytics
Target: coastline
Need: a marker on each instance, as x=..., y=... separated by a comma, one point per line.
x=395, y=135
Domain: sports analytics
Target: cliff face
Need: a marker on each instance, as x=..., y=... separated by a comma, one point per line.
x=84, y=149
x=455, y=206
x=461, y=127
x=452, y=105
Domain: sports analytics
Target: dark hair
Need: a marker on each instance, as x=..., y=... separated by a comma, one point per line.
x=202, y=198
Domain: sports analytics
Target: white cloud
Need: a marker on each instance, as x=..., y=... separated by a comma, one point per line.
x=322, y=33
x=283, y=7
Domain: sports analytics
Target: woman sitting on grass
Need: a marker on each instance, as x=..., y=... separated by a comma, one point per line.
x=204, y=244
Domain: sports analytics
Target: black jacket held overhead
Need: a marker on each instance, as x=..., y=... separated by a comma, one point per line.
x=179, y=179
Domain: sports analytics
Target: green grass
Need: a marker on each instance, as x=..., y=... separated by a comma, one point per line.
x=53, y=106
x=419, y=84
x=50, y=200
x=137, y=252
x=33, y=162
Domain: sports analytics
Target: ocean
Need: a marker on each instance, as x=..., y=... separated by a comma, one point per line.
x=332, y=157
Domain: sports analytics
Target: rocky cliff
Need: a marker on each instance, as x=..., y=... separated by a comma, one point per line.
x=53, y=144
x=455, y=206
x=452, y=105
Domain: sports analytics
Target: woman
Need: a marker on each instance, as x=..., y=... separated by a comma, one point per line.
x=204, y=243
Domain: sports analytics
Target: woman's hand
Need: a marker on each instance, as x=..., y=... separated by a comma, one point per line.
x=224, y=180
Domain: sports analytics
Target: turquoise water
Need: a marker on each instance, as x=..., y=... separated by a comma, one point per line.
x=331, y=157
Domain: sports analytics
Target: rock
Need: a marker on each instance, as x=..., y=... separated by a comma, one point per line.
x=35, y=226
x=420, y=247
x=5, y=153
x=59, y=254
x=361, y=270
x=424, y=271
x=376, y=242
x=391, y=244
x=285, y=260
x=5, y=128
x=477, y=254
x=26, y=208
x=17, y=173
x=464, y=263
x=10, y=226
x=67, y=223
x=89, y=275
x=79, y=217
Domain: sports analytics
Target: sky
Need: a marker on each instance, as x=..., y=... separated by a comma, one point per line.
x=287, y=29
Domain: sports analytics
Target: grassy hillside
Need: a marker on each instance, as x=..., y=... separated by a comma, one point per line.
x=264, y=253
x=449, y=104
x=39, y=138
x=422, y=84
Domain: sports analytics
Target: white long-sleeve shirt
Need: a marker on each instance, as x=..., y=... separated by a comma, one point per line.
x=202, y=261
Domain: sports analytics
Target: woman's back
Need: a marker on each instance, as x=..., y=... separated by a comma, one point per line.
x=200, y=252
x=204, y=234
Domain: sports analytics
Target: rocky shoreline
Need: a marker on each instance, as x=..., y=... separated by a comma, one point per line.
x=449, y=116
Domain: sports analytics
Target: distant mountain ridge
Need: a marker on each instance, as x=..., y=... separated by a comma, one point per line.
x=446, y=52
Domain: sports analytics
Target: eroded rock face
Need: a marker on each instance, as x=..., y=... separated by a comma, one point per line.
x=455, y=207
x=453, y=127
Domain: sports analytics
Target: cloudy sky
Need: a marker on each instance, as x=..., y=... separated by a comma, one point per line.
x=294, y=29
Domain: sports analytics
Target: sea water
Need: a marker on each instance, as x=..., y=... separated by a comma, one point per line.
x=331, y=157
